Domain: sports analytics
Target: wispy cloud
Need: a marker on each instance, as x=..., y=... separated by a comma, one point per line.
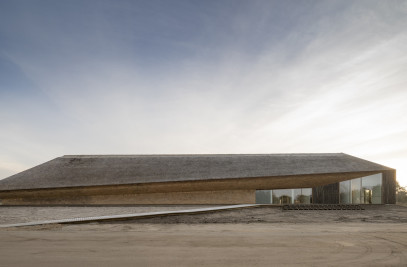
x=213, y=77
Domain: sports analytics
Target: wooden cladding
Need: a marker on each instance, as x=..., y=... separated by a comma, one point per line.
x=389, y=187
x=327, y=194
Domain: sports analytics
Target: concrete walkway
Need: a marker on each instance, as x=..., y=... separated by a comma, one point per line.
x=129, y=216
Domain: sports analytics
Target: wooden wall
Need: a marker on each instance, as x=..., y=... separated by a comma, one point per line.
x=389, y=187
x=170, y=198
x=327, y=194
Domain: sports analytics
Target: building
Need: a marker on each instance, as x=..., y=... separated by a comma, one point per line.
x=201, y=179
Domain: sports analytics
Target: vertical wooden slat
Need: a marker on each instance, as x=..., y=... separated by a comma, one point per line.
x=327, y=194
x=389, y=187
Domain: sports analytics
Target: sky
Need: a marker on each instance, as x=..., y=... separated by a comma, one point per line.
x=214, y=76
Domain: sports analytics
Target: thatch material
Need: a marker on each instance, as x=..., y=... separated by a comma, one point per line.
x=74, y=171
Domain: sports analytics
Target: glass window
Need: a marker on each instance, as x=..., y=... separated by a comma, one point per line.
x=263, y=196
x=282, y=196
x=372, y=189
x=344, y=192
x=302, y=195
x=296, y=196
x=365, y=190
x=306, y=195
x=356, y=192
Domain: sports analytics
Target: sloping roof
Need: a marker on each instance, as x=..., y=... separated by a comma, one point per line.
x=88, y=170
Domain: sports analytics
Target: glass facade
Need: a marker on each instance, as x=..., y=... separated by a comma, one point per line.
x=345, y=193
x=365, y=190
x=372, y=189
x=284, y=196
x=263, y=197
x=305, y=197
x=355, y=187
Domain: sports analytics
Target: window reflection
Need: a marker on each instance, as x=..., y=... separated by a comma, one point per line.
x=306, y=196
x=365, y=190
x=263, y=197
x=284, y=196
x=355, y=185
x=344, y=192
x=372, y=189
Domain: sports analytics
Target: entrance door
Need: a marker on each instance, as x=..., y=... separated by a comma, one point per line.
x=367, y=196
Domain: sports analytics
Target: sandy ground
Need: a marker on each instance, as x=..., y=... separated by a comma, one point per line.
x=263, y=237
x=270, y=214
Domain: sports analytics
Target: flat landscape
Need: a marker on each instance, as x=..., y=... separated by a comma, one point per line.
x=263, y=236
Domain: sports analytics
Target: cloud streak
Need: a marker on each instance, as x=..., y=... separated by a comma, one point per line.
x=220, y=77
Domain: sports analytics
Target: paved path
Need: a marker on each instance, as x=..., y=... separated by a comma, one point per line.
x=128, y=216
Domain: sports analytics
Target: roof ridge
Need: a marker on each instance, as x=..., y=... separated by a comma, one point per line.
x=231, y=154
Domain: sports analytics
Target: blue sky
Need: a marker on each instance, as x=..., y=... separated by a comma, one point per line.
x=146, y=77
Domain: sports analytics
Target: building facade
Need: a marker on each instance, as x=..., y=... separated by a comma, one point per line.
x=202, y=179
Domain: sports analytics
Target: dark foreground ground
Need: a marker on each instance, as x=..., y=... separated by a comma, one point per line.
x=262, y=236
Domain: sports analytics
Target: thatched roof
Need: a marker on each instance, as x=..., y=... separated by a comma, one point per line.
x=74, y=171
